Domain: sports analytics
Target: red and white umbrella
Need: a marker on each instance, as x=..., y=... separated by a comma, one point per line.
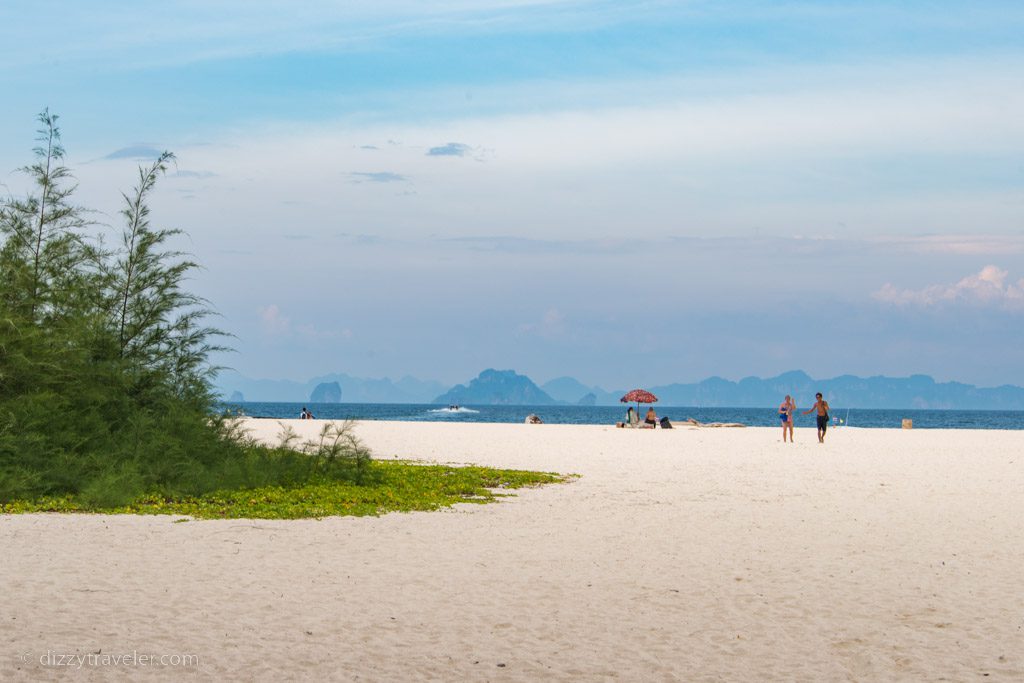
x=639, y=396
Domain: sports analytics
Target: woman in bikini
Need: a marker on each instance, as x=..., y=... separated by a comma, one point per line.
x=786, y=412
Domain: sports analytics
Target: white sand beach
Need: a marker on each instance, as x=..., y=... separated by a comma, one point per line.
x=690, y=554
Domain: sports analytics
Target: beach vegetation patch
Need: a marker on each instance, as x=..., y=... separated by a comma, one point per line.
x=106, y=385
x=387, y=486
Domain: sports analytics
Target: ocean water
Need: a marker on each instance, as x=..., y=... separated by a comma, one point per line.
x=609, y=415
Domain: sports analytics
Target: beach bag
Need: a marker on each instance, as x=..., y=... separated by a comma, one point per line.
x=665, y=423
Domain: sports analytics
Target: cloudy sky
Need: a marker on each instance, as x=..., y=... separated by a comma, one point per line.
x=629, y=192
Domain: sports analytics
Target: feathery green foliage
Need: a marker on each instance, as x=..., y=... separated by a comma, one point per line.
x=42, y=244
x=104, y=375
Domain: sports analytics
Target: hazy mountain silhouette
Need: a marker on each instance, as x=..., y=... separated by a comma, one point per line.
x=509, y=388
x=847, y=391
x=326, y=392
x=353, y=389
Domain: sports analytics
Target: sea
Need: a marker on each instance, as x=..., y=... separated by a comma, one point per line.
x=609, y=415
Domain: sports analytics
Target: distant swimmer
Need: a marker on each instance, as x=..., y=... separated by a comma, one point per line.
x=787, y=411
x=821, y=406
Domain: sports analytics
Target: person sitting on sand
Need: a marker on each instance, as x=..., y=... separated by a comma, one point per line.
x=821, y=406
x=787, y=412
x=651, y=418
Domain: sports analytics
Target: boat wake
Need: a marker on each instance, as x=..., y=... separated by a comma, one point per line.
x=454, y=410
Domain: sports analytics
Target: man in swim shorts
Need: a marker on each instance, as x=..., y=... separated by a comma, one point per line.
x=821, y=405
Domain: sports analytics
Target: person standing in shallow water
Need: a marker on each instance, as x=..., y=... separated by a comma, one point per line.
x=787, y=411
x=821, y=406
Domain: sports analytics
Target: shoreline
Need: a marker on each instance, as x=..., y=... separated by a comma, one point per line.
x=607, y=416
x=708, y=554
x=308, y=427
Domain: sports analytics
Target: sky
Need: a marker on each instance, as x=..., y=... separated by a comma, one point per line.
x=627, y=192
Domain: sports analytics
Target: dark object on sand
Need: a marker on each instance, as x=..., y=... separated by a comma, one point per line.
x=666, y=423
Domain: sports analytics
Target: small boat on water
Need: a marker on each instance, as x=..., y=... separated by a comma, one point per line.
x=455, y=408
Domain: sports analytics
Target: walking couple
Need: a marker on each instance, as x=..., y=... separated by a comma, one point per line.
x=787, y=412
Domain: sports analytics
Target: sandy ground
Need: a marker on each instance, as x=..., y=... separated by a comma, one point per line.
x=691, y=554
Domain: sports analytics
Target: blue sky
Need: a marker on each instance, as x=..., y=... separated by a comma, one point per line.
x=626, y=192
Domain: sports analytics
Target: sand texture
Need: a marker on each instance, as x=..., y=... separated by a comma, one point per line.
x=690, y=554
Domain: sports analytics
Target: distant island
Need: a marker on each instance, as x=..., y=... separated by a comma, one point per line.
x=506, y=387
x=497, y=387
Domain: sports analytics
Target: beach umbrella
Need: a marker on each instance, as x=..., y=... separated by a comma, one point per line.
x=639, y=396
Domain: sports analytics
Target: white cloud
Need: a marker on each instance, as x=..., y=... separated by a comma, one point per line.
x=957, y=245
x=276, y=323
x=273, y=321
x=787, y=161
x=988, y=287
x=551, y=325
x=311, y=332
